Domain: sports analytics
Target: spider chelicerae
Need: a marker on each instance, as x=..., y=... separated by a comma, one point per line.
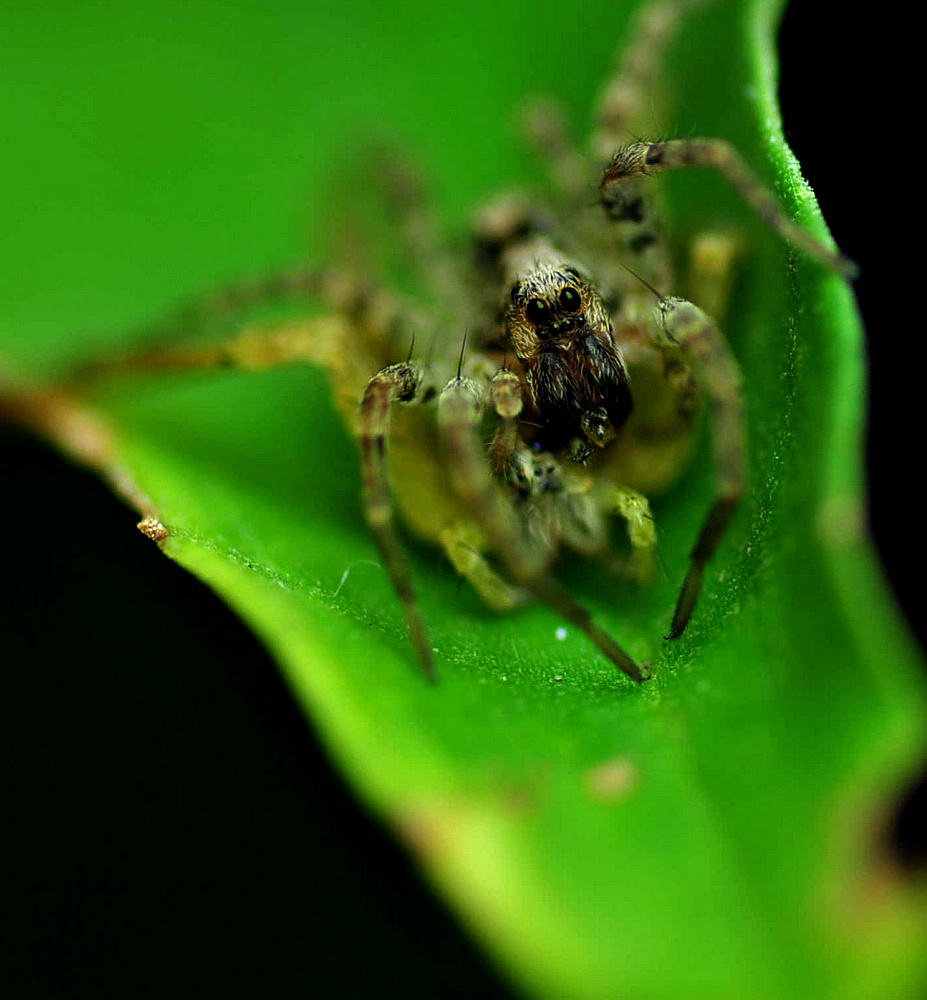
x=561, y=386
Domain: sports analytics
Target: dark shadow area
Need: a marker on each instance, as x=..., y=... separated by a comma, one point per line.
x=834, y=76
x=908, y=840
x=170, y=826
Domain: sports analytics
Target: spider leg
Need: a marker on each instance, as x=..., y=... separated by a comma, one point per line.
x=640, y=159
x=712, y=264
x=404, y=383
x=463, y=544
x=634, y=507
x=543, y=121
x=624, y=110
x=462, y=540
x=375, y=322
x=505, y=397
x=199, y=313
x=459, y=409
x=625, y=103
x=429, y=254
x=717, y=371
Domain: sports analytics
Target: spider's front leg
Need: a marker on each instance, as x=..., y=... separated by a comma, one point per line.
x=526, y=561
x=640, y=159
x=402, y=383
x=718, y=373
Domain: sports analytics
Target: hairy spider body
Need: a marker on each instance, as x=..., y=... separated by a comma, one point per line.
x=559, y=329
x=578, y=393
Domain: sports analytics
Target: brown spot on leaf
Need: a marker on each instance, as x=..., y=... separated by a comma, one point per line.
x=152, y=528
x=613, y=780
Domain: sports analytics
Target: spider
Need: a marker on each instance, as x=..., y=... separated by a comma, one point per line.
x=561, y=386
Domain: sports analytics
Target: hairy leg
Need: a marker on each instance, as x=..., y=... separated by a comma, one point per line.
x=403, y=383
x=464, y=544
x=641, y=159
x=459, y=410
x=625, y=105
x=718, y=373
x=640, y=565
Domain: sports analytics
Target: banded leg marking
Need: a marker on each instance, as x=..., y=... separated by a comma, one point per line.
x=641, y=159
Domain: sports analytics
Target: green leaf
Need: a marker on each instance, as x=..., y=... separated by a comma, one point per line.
x=711, y=833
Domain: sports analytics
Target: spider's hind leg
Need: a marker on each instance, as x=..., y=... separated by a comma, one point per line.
x=625, y=103
x=357, y=327
x=425, y=247
x=544, y=124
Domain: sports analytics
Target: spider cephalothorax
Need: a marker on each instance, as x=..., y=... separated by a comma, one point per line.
x=576, y=379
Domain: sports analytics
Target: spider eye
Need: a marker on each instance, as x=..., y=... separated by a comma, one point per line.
x=537, y=311
x=570, y=300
